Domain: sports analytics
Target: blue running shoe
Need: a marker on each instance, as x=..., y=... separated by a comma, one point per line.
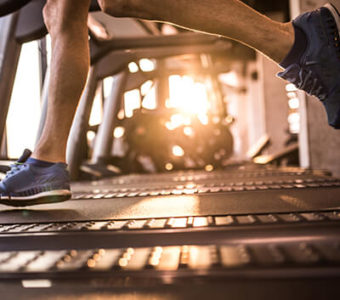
x=28, y=184
x=318, y=70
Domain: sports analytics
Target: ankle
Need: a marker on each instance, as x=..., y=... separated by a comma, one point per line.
x=298, y=48
x=274, y=40
x=287, y=41
x=39, y=163
x=48, y=156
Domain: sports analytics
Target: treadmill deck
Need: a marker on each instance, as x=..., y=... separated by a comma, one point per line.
x=178, y=229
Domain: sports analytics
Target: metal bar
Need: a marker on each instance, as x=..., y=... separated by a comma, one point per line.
x=122, y=58
x=98, y=50
x=104, y=138
x=8, y=7
x=75, y=149
x=42, y=61
x=246, y=234
x=162, y=85
x=218, y=102
x=9, y=57
x=3, y=148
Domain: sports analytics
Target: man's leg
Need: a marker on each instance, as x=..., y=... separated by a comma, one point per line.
x=229, y=18
x=67, y=23
x=43, y=177
x=307, y=48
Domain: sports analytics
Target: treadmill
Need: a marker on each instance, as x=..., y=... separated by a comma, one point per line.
x=247, y=231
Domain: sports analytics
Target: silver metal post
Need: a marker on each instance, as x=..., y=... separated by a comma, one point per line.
x=77, y=138
x=104, y=137
x=9, y=57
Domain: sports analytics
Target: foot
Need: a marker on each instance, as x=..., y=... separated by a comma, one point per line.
x=29, y=184
x=317, y=70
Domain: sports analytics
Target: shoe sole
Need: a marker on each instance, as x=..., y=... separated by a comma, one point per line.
x=335, y=13
x=41, y=198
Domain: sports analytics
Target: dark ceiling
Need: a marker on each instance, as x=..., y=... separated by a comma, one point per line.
x=265, y=6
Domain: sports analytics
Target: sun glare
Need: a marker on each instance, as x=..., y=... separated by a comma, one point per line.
x=24, y=111
x=131, y=102
x=188, y=95
x=177, y=151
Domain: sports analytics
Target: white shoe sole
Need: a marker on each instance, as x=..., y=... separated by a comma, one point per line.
x=40, y=198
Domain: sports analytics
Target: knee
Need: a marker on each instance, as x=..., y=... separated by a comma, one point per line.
x=64, y=15
x=49, y=14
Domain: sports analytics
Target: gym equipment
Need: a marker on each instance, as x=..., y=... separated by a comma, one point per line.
x=110, y=58
x=207, y=230
x=245, y=231
x=9, y=6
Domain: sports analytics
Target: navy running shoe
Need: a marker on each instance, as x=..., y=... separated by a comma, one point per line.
x=28, y=184
x=318, y=70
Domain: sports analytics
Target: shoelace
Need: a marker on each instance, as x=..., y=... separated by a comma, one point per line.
x=308, y=82
x=14, y=169
x=305, y=79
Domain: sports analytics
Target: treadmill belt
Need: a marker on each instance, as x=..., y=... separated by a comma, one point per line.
x=192, y=188
x=202, y=222
x=275, y=226
x=222, y=260
x=195, y=193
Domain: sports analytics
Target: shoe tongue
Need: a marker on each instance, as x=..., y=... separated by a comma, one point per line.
x=27, y=153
